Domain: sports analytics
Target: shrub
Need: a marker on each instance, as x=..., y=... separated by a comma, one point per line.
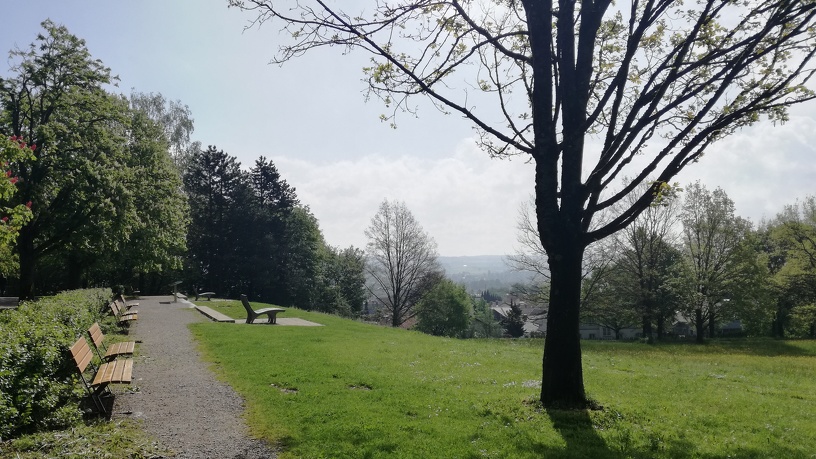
x=38, y=387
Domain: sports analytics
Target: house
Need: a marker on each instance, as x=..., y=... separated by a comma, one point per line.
x=598, y=331
x=535, y=316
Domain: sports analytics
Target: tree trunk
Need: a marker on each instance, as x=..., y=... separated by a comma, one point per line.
x=778, y=326
x=699, y=325
x=647, y=328
x=74, y=280
x=562, y=384
x=661, y=321
x=25, y=245
x=712, y=325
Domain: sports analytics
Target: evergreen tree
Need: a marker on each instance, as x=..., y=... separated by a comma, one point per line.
x=514, y=322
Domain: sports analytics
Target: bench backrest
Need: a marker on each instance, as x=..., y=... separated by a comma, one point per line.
x=247, y=306
x=114, y=306
x=96, y=334
x=82, y=354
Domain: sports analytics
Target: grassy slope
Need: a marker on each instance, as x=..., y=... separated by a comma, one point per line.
x=355, y=390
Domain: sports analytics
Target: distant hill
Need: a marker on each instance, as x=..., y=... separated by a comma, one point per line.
x=483, y=272
x=475, y=264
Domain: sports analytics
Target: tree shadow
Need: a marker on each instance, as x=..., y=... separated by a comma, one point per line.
x=582, y=440
x=765, y=347
x=580, y=435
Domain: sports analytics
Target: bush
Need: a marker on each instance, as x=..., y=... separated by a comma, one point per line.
x=445, y=311
x=38, y=385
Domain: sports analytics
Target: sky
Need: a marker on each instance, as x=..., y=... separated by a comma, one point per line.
x=311, y=118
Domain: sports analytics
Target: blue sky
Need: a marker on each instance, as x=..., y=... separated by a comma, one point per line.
x=311, y=119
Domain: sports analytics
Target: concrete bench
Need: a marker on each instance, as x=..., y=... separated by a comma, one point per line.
x=253, y=314
x=207, y=295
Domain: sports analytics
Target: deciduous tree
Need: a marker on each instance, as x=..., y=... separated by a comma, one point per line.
x=718, y=270
x=56, y=99
x=445, y=310
x=12, y=218
x=401, y=260
x=791, y=240
x=583, y=89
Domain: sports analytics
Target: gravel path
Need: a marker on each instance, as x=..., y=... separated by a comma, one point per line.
x=178, y=398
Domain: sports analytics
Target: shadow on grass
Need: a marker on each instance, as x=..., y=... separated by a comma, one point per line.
x=580, y=435
x=584, y=440
x=765, y=347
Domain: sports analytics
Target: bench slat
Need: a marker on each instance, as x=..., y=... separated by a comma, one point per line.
x=82, y=354
x=103, y=375
x=125, y=347
x=118, y=371
x=127, y=371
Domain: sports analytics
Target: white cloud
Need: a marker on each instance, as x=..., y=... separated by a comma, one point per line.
x=467, y=202
x=762, y=168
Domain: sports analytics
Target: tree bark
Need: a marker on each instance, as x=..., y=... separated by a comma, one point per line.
x=647, y=328
x=661, y=321
x=699, y=324
x=712, y=325
x=562, y=384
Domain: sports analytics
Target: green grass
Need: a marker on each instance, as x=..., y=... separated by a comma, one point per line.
x=361, y=391
x=122, y=439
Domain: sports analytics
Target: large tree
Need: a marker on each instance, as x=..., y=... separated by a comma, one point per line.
x=720, y=269
x=401, y=260
x=219, y=197
x=647, y=260
x=791, y=242
x=591, y=91
x=175, y=119
x=56, y=100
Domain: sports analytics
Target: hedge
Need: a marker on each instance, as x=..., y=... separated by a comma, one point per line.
x=38, y=382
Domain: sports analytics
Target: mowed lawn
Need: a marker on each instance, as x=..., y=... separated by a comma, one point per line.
x=353, y=390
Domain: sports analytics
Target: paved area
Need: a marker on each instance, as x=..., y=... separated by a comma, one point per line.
x=176, y=396
x=219, y=317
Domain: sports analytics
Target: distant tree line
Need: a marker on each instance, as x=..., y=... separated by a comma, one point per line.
x=689, y=258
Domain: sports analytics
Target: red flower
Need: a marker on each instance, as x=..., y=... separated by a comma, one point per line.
x=33, y=146
x=28, y=204
x=13, y=138
x=14, y=180
x=5, y=219
x=8, y=173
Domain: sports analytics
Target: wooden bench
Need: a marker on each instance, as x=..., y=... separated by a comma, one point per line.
x=253, y=314
x=123, y=318
x=114, y=372
x=114, y=350
x=124, y=305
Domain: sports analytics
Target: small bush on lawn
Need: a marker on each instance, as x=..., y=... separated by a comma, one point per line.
x=38, y=387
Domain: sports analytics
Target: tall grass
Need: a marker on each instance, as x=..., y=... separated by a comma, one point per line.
x=360, y=391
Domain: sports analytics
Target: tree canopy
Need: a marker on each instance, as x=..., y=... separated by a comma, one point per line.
x=91, y=156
